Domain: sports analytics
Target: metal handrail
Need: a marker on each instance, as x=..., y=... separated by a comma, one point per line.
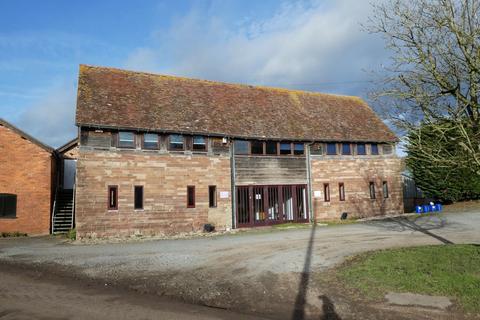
x=54, y=206
x=73, y=205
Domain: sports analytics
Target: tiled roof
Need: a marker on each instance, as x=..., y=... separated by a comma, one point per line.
x=113, y=98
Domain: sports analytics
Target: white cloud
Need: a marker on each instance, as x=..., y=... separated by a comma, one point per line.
x=301, y=45
x=52, y=118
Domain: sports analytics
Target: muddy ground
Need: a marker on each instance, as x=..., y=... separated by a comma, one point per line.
x=281, y=274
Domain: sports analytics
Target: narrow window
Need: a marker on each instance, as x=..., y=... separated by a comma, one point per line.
x=126, y=139
x=361, y=150
x=256, y=147
x=271, y=147
x=285, y=148
x=326, y=192
x=385, y=189
x=8, y=205
x=387, y=149
x=298, y=148
x=199, y=143
x=372, y=190
x=241, y=146
x=374, y=148
x=138, y=197
x=346, y=149
x=176, y=142
x=191, y=196
x=112, y=197
x=212, y=196
x=331, y=148
x=341, y=191
x=150, y=141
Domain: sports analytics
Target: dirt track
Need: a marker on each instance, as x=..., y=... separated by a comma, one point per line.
x=282, y=274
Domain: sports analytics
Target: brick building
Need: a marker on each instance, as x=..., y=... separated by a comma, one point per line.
x=163, y=154
x=27, y=169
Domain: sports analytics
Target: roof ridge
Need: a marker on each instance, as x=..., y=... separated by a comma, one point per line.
x=261, y=87
x=25, y=135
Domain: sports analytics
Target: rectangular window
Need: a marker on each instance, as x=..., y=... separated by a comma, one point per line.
x=138, y=198
x=285, y=148
x=374, y=148
x=385, y=189
x=212, y=196
x=256, y=147
x=126, y=139
x=150, y=141
x=176, y=142
x=341, y=191
x=241, y=146
x=372, y=190
x=326, y=192
x=361, y=150
x=112, y=197
x=346, y=149
x=298, y=148
x=190, y=196
x=8, y=205
x=199, y=143
x=271, y=147
x=331, y=148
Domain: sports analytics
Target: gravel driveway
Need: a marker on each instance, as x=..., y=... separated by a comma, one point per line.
x=263, y=272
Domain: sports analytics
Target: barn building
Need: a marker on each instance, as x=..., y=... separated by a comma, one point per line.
x=162, y=154
x=27, y=168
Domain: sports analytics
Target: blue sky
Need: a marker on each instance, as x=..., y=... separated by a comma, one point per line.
x=312, y=45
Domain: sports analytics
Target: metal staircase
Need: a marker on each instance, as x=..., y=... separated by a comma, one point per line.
x=62, y=219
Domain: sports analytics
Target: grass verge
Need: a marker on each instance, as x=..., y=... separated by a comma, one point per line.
x=448, y=270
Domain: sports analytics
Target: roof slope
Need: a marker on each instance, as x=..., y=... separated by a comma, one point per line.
x=116, y=98
x=25, y=135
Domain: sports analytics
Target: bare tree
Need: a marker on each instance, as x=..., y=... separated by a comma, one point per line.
x=434, y=73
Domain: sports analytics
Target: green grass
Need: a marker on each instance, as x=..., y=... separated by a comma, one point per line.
x=291, y=225
x=71, y=234
x=448, y=270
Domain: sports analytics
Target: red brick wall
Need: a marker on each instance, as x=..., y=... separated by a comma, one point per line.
x=356, y=174
x=165, y=178
x=26, y=170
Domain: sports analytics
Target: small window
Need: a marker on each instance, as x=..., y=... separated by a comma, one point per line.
x=298, y=148
x=387, y=149
x=374, y=148
x=176, y=142
x=112, y=197
x=346, y=149
x=271, y=147
x=372, y=190
x=8, y=205
x=212, y=196
x=285, y=148
x=126, y=139
x=191, y=196
x=199, y=143
x=341, y=191
x=256, y=147
x=138, y=198
x=385, y=189
x=331, y=148
x=361, y=150
x=326, y=192
x=150, y=141
x=241, y=146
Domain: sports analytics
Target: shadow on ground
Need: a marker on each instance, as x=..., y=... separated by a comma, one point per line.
x=328, y=308
x=425, y=225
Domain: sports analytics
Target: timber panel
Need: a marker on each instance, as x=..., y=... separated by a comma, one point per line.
x=250, y=170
